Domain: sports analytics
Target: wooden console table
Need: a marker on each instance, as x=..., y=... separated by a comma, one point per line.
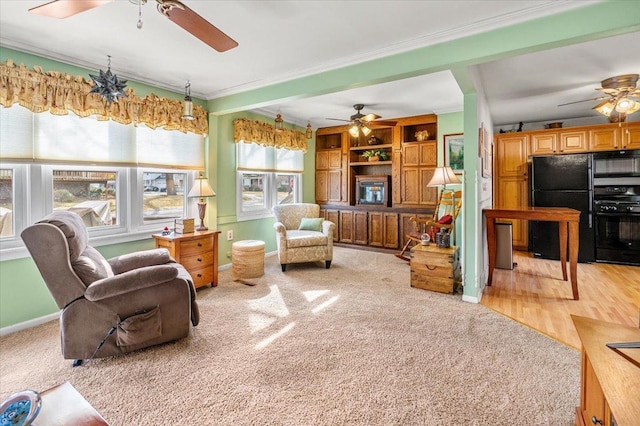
x=566, y=218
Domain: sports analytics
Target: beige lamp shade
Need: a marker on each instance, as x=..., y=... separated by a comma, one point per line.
x=201, y=189
x=443, y=176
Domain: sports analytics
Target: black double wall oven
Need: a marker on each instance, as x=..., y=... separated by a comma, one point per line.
x=616, y=202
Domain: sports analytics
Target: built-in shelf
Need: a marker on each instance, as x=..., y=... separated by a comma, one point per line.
x=370, y=147
x=370, y=163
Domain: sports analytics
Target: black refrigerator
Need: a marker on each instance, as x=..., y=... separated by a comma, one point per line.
x=562, y=181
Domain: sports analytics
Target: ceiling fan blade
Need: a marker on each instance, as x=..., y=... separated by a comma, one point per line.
x=585, y=100
x=64, y=8
x=195, y=24
x=338, y=119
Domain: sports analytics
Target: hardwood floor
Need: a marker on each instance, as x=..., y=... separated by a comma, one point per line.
x=534, y=294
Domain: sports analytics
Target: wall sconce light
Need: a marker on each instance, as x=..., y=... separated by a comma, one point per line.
x=309, y=132
x=188, y=104
x=279, y=125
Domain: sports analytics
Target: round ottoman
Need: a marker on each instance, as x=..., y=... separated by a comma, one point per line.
x=247, y=259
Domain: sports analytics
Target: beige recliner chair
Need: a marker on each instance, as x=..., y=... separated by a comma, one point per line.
x=114, y=306
x=301, y=235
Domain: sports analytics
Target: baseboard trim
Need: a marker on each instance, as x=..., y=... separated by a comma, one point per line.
x=470, y=299
x=28, y=324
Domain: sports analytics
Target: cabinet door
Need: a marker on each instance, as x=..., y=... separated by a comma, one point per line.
x=513, y=194
x=322, y=186
x=603, y=139
x=335, y=185
x=346, y=227
x=376, y=229
x=428, y=154
x=410, y=185
x=360, y=234
x=322, y=160
x=390, y=230
x=428, y=195
x=511, y=155
x=411, y=154
x=544, y=143
x=334, y=216
x=631, y=136
x=335, y=159
x=574, y=141
x=592, y=398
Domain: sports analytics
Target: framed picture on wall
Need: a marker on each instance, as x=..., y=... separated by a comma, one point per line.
x=454, y=152
x=486, y=152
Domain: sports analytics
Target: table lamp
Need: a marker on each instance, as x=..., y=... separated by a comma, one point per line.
x=201, y=189
x=443, y=176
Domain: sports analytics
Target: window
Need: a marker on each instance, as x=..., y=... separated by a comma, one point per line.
x=125, y=181
x=6, y=202
x=266, y=176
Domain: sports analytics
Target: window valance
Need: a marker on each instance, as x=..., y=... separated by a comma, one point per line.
x=261, y=133
x=60, y=93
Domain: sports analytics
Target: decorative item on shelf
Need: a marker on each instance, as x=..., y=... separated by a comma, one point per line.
x=445, y=176
x=309, y=132
x=375, y=155
x=279, y=123
x=373, y=140
x=555, y=125
x=422, y=135
x=425, y=239
x=188, y=104
x=443, y=239
x=20, y=408
x=202, y=189
x=183, y=225
x=108, y=85
x=166, y=231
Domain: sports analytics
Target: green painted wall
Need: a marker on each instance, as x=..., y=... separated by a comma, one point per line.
x=225, y=170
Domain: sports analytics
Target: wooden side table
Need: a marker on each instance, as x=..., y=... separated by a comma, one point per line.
x=434, y=268
x=196, y=251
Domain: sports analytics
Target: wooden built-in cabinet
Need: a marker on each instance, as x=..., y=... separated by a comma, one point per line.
x=609, y=379
x=613, y=137
x=547, y=142
x=411, y=149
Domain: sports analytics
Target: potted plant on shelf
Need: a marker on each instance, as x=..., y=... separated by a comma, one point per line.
x=375, y=155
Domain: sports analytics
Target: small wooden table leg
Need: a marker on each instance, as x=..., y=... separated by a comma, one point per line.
x=562, y=226
x=573, y=257
x=491, y=246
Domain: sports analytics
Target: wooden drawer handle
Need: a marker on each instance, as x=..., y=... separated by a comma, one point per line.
x=199, y=275
x=199, y=260
x=199, y=244
x=430, y=268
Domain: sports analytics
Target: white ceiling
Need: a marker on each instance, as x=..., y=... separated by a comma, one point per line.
x=282, y=40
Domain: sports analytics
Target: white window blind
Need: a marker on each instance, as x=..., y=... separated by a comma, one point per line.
x=69, y=139
x=16, y=133
x=289, y=161
x=162, y=148
x=254, y=157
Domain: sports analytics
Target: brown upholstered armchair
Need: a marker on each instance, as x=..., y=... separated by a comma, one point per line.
x=131, y=301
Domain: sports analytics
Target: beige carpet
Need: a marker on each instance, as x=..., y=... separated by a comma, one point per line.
x=353, y=345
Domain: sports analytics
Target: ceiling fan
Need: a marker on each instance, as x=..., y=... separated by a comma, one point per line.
x=361, y=123
x=175, y=10
x=622, y=97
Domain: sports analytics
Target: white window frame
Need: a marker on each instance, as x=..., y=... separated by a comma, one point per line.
x=269, y=188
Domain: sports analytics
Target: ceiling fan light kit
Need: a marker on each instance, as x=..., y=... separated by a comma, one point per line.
x=359, y=123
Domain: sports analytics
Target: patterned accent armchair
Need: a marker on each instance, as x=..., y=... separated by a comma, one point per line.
x=297, y=245
x=109, y=307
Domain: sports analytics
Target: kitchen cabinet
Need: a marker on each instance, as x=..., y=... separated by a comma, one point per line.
x=547, y=142
x=511, y=180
